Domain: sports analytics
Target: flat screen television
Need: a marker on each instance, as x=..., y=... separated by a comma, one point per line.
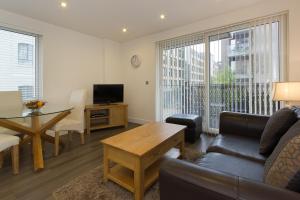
x=108, y=93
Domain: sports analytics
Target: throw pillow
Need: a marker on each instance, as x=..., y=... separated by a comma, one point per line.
x=276, y=127
x=282, y=168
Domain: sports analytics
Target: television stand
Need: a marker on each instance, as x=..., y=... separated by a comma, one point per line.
x=105, y=104
x=105, y=116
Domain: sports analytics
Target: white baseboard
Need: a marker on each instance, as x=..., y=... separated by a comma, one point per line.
x=138, y=121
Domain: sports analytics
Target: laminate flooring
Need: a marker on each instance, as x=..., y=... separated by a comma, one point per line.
x=73, y=161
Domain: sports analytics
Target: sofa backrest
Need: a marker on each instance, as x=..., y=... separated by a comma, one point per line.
x=296, y=110
x=237, y=123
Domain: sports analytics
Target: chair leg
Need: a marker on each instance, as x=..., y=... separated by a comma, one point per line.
x=43, y=145
x=70, y=136
x=15, y=159
x=56, y=144
x=82, y=138
x=1, y=159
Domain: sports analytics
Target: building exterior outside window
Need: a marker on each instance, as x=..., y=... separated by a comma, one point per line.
x=18, y=67
x=25, y=53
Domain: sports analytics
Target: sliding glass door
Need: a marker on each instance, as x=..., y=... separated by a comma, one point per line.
x=228, y=69
x=182, y=80
x=242, y=66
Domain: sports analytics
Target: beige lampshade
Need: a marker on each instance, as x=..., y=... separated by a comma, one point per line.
x=286, y=91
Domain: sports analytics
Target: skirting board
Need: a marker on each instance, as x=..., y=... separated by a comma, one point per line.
x=138, y=121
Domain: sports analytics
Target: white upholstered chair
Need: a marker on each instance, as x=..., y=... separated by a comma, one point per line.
x=11, y=99
x=73, y=122
x=10, y=141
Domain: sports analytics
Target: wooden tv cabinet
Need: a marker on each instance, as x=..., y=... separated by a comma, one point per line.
x=105, y=116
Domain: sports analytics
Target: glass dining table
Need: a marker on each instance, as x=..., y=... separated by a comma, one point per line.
x=37, y=129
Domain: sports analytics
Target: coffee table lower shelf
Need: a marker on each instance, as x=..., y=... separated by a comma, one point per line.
x=125, y=177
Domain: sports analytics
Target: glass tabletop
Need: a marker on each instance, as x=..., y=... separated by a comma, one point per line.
x=23, y=112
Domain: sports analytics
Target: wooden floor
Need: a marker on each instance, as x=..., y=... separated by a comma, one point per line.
x=74, y=160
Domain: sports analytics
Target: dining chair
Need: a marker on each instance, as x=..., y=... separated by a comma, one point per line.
x=11, y=99
x=73, y=122
x=10, y=141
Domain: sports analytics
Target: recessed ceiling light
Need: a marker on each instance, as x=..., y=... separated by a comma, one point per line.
x=162, y=16
x=63, y=4
x=124, y=30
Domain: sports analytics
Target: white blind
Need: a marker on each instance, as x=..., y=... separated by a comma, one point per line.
x=226, y=69
x=182, y=75
x=19, y=69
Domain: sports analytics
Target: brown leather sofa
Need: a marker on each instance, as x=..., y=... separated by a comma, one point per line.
x=233, y=168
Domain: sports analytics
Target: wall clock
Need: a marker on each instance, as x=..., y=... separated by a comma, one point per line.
x=135, y=61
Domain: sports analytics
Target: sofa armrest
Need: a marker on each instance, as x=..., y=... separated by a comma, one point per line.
x=242, y=124
x=182, y=180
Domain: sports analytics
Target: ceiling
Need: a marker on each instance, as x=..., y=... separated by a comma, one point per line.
x=106, y=18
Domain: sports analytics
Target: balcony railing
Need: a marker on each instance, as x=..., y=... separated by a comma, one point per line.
x=190, y=99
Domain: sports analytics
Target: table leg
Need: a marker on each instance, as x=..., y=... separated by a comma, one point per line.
x=126, y=118
x=88, y=122
x=38, y=159
x=1, y=159
x=15, y=159
x=105, y=163
x=139, y=182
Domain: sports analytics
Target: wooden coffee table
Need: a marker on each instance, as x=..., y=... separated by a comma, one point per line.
x=138, y=153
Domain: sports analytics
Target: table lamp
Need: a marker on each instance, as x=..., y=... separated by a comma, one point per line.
x=286, y=91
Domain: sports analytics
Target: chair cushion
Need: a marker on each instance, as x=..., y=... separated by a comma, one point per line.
x=276, y=126
x=7, y=141
x=191, y=121
x=11, y=132
x=237, y=145
x=282, y=168
x=7, y=131
x=233, y=165
x=66, y=125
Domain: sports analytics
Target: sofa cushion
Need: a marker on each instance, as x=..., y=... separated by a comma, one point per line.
x=276, y=126
x=233, y=165
x=236, y=145
x=282, y=168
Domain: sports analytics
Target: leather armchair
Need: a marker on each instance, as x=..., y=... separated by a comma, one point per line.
x=182, y=180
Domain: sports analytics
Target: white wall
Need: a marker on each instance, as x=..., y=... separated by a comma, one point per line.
x=141, y=97
x=70, y=59
x=113, y=70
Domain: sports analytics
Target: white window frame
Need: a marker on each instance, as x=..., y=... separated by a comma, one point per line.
x=38, y=64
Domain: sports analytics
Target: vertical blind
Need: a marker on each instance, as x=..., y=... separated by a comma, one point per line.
x=19, y=68
x=226, y=69
x=182, y=75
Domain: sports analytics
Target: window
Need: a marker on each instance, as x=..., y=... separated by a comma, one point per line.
x=19, y=69
x=25, y=53
x=228, y=69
